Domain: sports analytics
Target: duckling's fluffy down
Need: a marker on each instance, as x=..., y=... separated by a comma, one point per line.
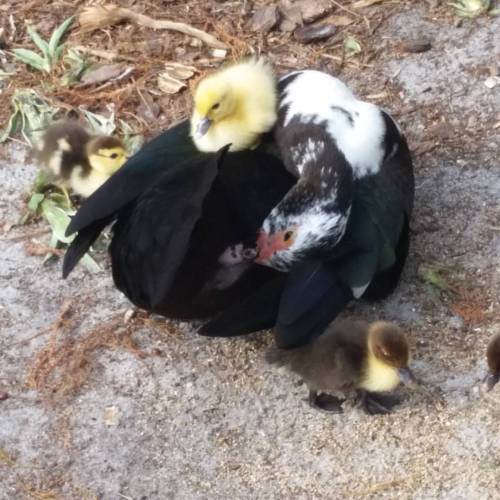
x=250, y=89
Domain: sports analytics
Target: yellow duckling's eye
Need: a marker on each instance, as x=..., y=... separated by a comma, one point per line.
x=216, y=105
x=113, y=156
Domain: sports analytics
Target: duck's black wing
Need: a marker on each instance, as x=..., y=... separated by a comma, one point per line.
x=151, y=237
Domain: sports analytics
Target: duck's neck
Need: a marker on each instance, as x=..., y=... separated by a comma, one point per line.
x=378, y=376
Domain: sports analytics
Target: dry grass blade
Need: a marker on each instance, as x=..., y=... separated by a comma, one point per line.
x=100, y=16
x=66, y=362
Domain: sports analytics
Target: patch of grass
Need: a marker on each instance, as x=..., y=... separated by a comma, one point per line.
x=51, y=51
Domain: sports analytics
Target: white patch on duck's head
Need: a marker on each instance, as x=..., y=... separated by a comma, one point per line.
x=286, y=239
x=235, y=105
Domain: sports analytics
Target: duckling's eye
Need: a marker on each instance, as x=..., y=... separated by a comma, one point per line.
x=216, y=105
x=287, y=235
x=114, y=156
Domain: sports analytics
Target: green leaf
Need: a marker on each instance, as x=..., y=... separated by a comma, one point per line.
x=35, y=201
x=90, y=263
x=39, y=41
x=12, y=126
x=99, y=124
x=41, y=181
x=57, y=36
x=470, y=8
x=132, y=140
x=32, y=59
x=352, y=46
x=58, y=220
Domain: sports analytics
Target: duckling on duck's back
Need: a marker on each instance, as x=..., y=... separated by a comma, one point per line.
x=234, y=105
x=77, y=159
x=350, y=355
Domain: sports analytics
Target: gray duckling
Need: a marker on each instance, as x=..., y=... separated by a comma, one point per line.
x=367, y=357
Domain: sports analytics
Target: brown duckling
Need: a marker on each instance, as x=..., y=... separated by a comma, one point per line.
x=493, y=358
x=77, y=159
x=370, y=358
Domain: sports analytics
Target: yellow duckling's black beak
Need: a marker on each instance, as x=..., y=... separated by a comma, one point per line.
x=491, y=380
x=406, y=376
x=202, y=127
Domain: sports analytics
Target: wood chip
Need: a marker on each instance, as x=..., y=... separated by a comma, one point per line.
x=111, y=416
x=4, y=395
x=291, y=18
x=312, y=10
x=265, y=19
x=416, y=46
x=306, y=34
x=101, y=74
x=340, y=20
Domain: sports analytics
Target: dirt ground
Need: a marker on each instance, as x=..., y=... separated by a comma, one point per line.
x=162, y=413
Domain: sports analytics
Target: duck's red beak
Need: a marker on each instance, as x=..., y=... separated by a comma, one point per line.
x=265, y=248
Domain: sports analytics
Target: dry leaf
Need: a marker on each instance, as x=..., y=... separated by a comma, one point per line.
x=360, y=4
x=340, y=20
x=102, y=73
x=307, y=34
x=168, y=84
x=312, y=10
x=172, y=79
x=265, y=19
x=181, y=71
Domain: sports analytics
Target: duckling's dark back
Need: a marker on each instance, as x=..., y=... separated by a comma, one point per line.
x=62, y=148
x=334, y=361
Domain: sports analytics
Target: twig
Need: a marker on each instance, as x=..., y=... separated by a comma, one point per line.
x=99, y=16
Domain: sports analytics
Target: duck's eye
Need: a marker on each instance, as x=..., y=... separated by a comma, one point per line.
x=287, y=235
x=216, y=105
x=114, y=156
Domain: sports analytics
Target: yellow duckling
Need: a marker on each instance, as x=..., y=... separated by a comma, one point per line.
x=234, y=105
x=78, y=160
x=370, y=358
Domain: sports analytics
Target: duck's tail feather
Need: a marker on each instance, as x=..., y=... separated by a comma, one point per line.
x=81, y=244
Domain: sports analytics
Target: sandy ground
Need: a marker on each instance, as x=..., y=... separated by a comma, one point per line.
x=198, y=418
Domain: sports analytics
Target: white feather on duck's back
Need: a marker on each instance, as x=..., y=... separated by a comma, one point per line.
x=357, y=127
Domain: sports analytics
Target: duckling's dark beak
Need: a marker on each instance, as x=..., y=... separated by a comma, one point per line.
x=491, y=380
x=406, y=376
x=203, y=126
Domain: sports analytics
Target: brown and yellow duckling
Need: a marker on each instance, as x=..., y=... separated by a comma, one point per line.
x=369, y=358
x=78, y=160
x=493, y=358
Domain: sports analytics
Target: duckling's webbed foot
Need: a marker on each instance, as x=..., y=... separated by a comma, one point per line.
x=325, y=402
x=375, y=404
